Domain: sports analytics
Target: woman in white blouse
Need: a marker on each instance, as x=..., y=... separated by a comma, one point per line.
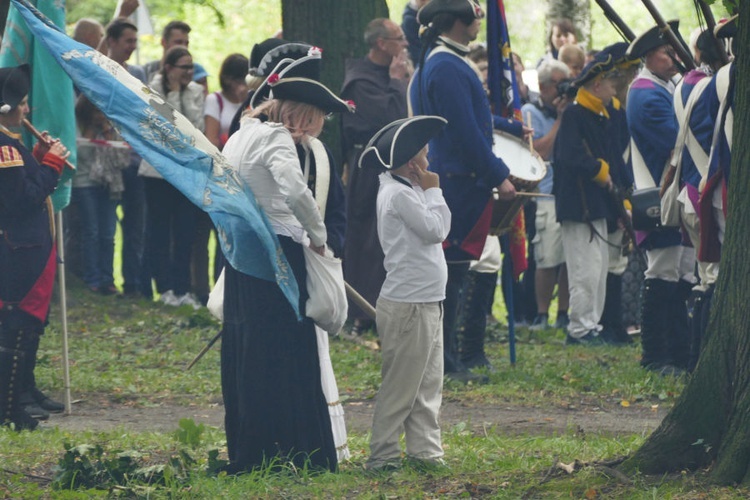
x=170, y=219
x=275, y=407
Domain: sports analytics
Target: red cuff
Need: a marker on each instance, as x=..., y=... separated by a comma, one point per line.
x=54, y=162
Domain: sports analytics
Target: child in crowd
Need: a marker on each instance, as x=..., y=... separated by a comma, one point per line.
x=586, y=151
x=413, y=220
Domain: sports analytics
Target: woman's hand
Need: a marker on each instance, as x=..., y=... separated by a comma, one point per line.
x=321, y=250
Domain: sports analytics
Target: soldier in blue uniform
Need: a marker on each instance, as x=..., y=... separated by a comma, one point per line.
x=447, y=85
x=27, y=255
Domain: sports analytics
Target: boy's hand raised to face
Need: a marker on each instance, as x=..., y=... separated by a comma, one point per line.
x=423, y=177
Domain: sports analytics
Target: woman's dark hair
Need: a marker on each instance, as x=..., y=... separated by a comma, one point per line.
x=170, y=58
x=563, y=26
x=234, y=67
x=85, y=112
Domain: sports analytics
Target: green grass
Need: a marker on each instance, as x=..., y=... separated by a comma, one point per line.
x=134, y=352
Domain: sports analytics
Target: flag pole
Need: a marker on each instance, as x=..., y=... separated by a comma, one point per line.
x=63, y=309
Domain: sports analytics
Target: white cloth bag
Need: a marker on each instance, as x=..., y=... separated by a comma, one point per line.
x=215, y=303
x=326, y=305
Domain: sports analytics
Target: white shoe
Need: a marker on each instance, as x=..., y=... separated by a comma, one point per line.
x=189, y=300
x=169, y=298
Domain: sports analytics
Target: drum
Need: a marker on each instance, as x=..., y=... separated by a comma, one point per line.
x=527, y=169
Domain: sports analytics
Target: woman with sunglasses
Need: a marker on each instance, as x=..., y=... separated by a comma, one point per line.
x=170, y=220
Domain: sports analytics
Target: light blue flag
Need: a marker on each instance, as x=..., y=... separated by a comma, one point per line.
x=178, y=151
x=51, y=95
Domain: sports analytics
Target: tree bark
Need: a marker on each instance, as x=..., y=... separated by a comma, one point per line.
x=578, y=11
x=337, y=27
x=710, y=423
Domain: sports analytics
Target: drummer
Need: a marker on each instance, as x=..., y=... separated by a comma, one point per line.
x=447, y=85
x=585, y=151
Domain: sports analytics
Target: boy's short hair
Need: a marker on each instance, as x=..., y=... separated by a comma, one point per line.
x=174, y=25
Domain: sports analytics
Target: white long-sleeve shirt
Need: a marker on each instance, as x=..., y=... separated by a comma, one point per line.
x=412, y=225
x=266, y=159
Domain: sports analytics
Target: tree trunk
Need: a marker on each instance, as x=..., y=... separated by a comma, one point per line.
x=710, y=423
x=578, y=11
x=337, y=27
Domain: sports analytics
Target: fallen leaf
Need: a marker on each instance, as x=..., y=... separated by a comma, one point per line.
x=569, y=468
x=590, y=493
x=625, y=403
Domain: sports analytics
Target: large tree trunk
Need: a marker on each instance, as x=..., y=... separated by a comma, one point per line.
x=710, y=422
x=578, y=11
x=337, y=27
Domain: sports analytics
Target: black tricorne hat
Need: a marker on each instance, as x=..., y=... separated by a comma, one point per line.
x=727, y=29
x=398, y=142
x=15, y=83
x=601, y=64
x=652, y=39
x=466, y=10
x=309, y=92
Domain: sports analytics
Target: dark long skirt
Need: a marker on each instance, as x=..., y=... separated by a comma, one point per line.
x=270, y=375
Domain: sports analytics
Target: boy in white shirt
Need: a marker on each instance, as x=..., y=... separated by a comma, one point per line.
x=413, y=220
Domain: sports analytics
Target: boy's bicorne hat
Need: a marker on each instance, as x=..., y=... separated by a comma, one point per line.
x=652, y=39
x=398, y=142
x=14, y=86
x=601, y=64
x=465, y=10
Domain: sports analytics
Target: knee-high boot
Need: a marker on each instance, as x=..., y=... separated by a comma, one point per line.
x=654, y=317
x=12, y=361
x=612, y=315
x=473, y=318
x=678, y=336
x=36, y=403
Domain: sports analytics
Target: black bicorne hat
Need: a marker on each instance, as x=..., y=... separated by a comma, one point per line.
x=601, y=64
x=727, y=29
x=652, y=39
x=260, y=50
x=15, y=83
x=466, y=10
x=398, y=142
x=291, y=60
x=619, y=53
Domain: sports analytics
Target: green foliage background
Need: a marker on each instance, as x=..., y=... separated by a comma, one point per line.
x=222, y=27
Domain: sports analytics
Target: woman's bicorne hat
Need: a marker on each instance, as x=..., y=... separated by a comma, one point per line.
x=398, y=142
x=293, y=59
x=290, y=80
x=14, y=83
x=465, y=10
x=652, y=39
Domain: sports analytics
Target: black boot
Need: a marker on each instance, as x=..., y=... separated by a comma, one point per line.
x=473, y=318
x=612, y=315
x=654, y=315
x=678, y=333
x=35, y=402
x=12, y=360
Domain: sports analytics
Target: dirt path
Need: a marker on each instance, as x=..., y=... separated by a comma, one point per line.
x=504, y=419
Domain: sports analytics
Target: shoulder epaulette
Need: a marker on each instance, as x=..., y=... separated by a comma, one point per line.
x=10, y=157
